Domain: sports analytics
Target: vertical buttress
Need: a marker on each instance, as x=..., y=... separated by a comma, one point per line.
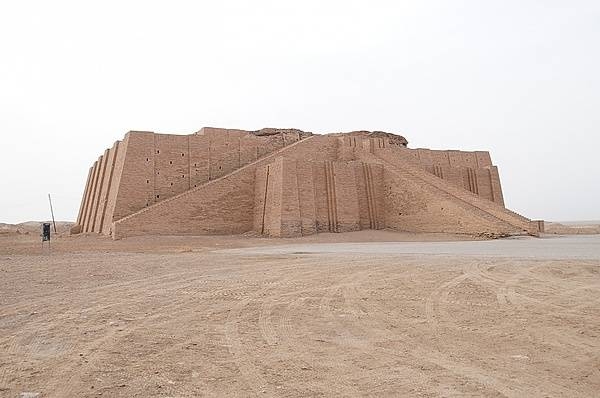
x=331, y=199
x=110, y=178
x=88, y=207
x=99, y=189
x=86, y=192
x=372, y=198
x=369, y=191
x=264, y=209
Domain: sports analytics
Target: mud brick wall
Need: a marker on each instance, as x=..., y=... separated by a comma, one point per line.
x=472, y=171
x=229, y=204
x=414, y=207
x=296, y=197
x=289, y=183
x=147, y=168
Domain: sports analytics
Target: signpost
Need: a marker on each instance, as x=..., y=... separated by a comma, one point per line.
x=46, y=226
x=52, y=212
x=46, y=234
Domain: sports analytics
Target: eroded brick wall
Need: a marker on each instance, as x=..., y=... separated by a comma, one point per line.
x=147, y=168
x=413, y=206
x=281, y=183
x=295, y=197
x=227, y=204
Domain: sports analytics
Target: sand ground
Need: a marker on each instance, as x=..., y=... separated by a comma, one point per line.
x=319, y=316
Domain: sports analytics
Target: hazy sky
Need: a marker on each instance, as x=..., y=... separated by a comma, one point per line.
x=518, y=78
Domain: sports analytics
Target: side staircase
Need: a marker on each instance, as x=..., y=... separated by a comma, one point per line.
x=265, y=159
x=397, y=162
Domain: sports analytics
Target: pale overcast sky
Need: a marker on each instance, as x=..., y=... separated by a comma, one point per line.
x=518, y=78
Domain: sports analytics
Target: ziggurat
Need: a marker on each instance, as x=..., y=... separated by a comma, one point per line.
x=286, y=182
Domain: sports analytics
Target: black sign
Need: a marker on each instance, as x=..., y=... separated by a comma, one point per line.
x=45, y=232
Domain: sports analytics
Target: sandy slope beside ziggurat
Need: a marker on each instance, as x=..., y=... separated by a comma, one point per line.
x=286, y=182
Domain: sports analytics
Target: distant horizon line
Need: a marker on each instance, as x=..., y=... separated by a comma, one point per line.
x=68, y=221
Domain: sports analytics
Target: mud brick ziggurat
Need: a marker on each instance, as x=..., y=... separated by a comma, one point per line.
x=286, y=182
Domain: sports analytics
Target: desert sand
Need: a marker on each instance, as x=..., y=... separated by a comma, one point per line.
x=573, y=227
x=373, y=313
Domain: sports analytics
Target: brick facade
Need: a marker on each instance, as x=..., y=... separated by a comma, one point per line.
x=283, y=183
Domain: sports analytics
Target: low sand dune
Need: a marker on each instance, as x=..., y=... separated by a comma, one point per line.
x=33, y=228
x=573, y=227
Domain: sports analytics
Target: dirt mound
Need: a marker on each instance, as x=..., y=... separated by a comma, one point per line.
x=32, y=227
x=573, y=228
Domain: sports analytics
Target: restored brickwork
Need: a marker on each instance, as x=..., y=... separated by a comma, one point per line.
x=286, y=182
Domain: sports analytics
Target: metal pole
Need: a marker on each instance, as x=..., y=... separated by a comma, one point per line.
x=52, y=211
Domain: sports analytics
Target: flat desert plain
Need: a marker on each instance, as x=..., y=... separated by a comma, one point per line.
x=362, y=314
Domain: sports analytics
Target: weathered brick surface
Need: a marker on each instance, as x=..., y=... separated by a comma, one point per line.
x=111, y=203
x=306, y=197
x=105, y=189
x=83, y=206
x=290, y=183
